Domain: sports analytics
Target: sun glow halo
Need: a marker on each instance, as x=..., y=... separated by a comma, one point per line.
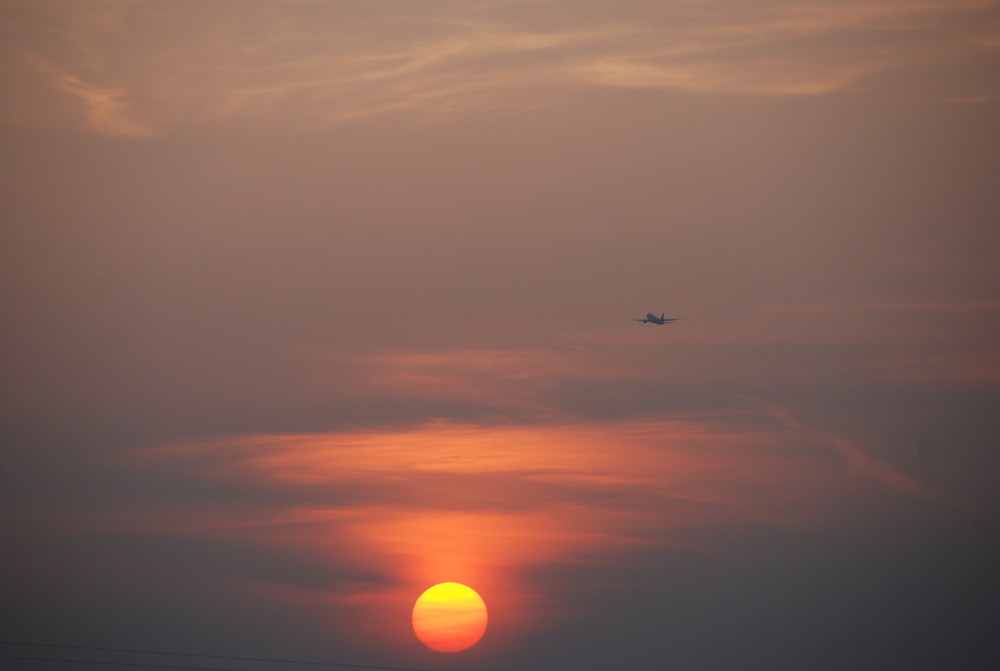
x=449, y=617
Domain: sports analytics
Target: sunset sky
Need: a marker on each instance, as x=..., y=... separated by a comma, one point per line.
x=308, y=305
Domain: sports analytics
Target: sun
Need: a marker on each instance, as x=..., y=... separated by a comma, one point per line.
x=449, y=617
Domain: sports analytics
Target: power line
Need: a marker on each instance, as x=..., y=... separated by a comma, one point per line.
x=93, y=648
x=104, y=663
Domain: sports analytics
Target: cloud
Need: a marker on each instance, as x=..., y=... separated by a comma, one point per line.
x=785, y=49
x=312, y=65
x=973, y=367
x=938, y=306
x=354, y=524
x=512, y=380
x=763, y=77
x=857, y=460
x=361, y=521
x=105, y=110
x=582, y=482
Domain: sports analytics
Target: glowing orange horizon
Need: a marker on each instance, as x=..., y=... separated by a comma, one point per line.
x=449, y=617
x=482, y=504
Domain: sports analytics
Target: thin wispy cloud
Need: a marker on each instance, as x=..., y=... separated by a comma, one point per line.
x=105, y=110
x=586, y=475
x=971, y=367
x=762, y=77
x=915, y=306
x=322, y=65
x=784, y=49
x=856, y=459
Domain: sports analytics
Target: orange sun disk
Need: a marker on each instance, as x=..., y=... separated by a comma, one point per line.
x=449, y=617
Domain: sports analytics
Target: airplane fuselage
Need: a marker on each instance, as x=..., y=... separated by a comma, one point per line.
x=661, y=320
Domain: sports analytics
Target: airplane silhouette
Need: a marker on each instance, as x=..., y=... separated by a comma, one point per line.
x=653, y=319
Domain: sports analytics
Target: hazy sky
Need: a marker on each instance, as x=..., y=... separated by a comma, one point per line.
x=308, y=305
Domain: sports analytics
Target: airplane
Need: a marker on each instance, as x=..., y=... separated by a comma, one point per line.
x=653, y=319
